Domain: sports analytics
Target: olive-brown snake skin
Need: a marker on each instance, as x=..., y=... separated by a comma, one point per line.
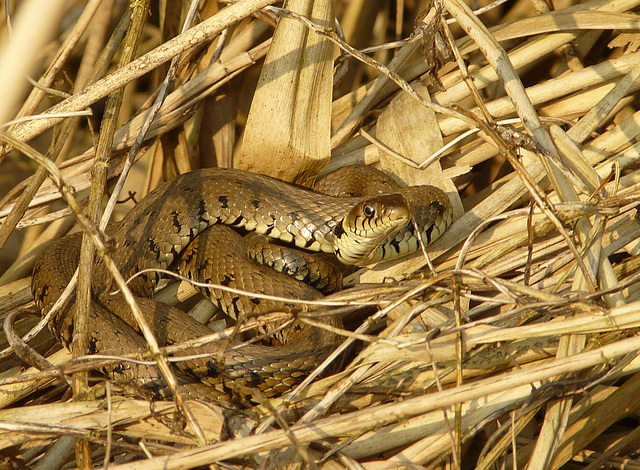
x=161, y=229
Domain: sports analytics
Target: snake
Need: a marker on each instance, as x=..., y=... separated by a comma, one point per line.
x=190, y=223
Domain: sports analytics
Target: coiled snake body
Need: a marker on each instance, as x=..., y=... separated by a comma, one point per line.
x=164, y=224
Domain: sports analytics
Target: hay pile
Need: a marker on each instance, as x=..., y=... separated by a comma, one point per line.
x=514, y=343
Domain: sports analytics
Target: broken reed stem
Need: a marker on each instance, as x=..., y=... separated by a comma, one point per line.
x=99, y=172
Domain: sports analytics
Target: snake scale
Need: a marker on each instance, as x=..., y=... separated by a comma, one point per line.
x=184, y=223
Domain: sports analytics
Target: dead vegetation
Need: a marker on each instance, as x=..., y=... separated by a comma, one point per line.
x=514, y=344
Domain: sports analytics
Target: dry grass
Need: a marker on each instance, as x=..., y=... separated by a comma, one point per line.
x=519, y=350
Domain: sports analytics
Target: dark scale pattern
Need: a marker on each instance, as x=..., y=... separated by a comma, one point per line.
x=338, y=232
x=238, y=221
x=153, y=247
x=213, y=370
x=428, y=232
x=256, y=379
x=202, y=208
x=176, y=221
x=268, y=231
x=233, y=309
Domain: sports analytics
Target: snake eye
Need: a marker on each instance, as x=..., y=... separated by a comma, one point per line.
x=369, y=210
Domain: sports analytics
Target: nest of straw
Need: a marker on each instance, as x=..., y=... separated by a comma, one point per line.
x=512, y=343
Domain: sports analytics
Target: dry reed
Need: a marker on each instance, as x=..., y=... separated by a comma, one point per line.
x=514, y=343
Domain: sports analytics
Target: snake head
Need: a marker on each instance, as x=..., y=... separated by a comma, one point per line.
x=363, y=235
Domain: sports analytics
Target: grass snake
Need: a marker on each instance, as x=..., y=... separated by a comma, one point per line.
x=185, y=220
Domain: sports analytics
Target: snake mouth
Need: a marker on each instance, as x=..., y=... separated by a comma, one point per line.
x=364, y=234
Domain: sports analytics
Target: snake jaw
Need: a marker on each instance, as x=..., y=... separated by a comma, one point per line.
x=360, y=238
